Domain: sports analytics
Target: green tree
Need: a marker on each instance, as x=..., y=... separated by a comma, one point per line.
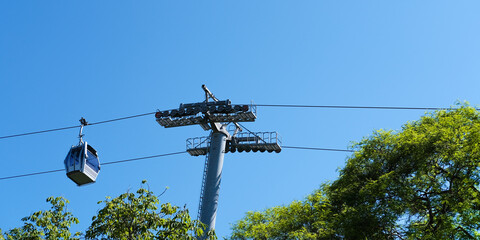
x=128, y=216
x=51, y=224
x=299, y=220
x=418, y=183
x=137, y=216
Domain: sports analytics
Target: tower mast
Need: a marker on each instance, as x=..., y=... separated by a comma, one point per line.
x=215, y=116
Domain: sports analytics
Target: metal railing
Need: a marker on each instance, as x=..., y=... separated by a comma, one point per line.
x=249, y=138
x=198, y=142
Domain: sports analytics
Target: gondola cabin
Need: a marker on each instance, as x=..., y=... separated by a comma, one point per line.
x=82, y=164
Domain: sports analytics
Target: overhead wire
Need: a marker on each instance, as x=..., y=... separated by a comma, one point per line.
x=143, y=158
x=37, y=132
x=353, y=107
x=107, y=163
x=77, y=126
x=31, y=174
x=160, y=155
x=175, y=153
x=122, y=118
x=302, y=148
x=258, y=105
x=320, y=149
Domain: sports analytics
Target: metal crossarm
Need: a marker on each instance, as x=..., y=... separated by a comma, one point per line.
x=203, y=113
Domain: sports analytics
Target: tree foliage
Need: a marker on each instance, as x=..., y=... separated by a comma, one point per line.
x=128, y=216
x=137, y=216
x=299, y=220
x=50, y=224
x=418, y=183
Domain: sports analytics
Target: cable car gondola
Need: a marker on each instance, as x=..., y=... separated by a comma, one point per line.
x=82, y=164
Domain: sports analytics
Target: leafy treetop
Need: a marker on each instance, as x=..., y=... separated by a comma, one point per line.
x=137, y=216
x=128, y=216
x=419, y=183
x=50, y=224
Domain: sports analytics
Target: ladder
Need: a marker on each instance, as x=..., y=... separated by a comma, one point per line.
x=204, y=181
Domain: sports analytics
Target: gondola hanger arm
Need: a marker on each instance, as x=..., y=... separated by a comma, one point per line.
x=83, y=123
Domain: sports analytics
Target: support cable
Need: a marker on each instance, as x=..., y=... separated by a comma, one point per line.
x=354, y=107
x=163, y=155
x=77, y=126
x=143, y=158
x=107, y=163
x=258, y=105
x=302, y=148
x=320, y=149
x=37, y=132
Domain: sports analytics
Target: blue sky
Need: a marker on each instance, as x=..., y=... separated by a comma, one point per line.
x=62, y=60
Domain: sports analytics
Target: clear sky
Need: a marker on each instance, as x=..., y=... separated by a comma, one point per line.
x=62, y=60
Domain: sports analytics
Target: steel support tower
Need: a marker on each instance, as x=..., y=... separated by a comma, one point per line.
x=216, y=115
x=211, y=186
